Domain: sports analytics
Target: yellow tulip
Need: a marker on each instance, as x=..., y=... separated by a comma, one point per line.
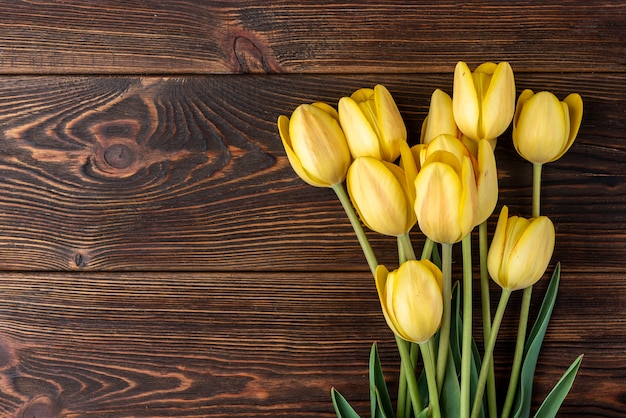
x=440, y=118
x=483, y=102
x=545, y=128
x=411, y=299
x=372, y=124
x=484, y=167
x=486, y=182
x=315, y=144
x=380, y=194
x=446, y=197
x=520, y=251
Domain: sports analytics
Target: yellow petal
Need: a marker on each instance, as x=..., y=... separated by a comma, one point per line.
x=390, y=123
x=381, y=276
x=574, y=108
x=379, y=196
x=408, y=164
x=283, y=129
x=498, y=105
x=469, y=203
x=319, y=144
x=541, y=129
x=327, y=108
x=532, y=253
x=361, y=137
x=417, y=302
x=440, y=119
x=465, y=101
x=438, y=201
x=486, y=182
x=496, y=249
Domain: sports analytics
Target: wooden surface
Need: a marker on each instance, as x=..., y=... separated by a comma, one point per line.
x=158, y=255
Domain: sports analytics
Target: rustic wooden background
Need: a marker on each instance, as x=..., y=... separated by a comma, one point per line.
x=158, y=255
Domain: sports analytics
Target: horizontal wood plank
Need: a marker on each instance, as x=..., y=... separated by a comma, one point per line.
x=188, y=174
x=199, y=37
x=238, y=345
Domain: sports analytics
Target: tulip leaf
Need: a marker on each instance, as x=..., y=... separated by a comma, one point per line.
x=380, y=400
x=342, y=407
x=533, y=346
x=425, y=413
x=436, y=256
x=553, y=401
x=451, y=392
x=456, y=337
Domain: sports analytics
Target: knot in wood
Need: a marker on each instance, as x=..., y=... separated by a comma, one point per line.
x=118, y=156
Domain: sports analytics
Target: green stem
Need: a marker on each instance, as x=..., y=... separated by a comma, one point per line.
x=406, y=248
x=409, y=373
x=401, y=411
x=405, y=252
x=414, y=351
x=536, y=189
x=485, y=299
x=466, y=347
x=444, y=331
x=484, y=369
x=433, y=392
x=428, y=249
x=341, y=193
x=518, y=357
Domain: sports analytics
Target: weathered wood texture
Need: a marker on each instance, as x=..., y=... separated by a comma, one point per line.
x=197, y=36
x=158, y=255
x=189, y=173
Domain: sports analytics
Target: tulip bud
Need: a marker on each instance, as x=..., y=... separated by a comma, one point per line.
x=483, y=101
x=545, y=128
x=411, y=299
x=440, y=119
x=315, y=144
x=372, y=124
x=520, y=251
x=380, y=194
x=446, y=198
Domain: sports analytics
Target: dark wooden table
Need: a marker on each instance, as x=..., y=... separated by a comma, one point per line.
x=160, y=257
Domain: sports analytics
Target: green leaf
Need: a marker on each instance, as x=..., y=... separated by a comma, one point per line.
x=379, y=394
x=451, y=392
x=456, y=328
x=533, y=346
x=425, y=413
x=450, y=403
x=436, y=256
x=342, y=407
x=553, y=401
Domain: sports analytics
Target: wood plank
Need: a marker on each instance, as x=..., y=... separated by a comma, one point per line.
x=238, y=345
x=200, y=37
x=188, y=174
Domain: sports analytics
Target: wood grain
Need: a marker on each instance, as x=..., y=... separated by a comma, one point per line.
x=189, y=174
x=173, y=176
x=158, y=255
x=200, y=37
x=235, y=345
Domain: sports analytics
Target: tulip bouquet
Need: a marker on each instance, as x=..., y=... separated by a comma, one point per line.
x=447, y=185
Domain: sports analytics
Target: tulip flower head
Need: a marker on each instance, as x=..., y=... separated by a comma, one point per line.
x=440, y=118
x=411, y=299
x=483, y=102
x=449, y=205
x=380, y=193
x=446, y=197
x=372, y=124
x=544, y=128
x=520, y=251
x=315, y=144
